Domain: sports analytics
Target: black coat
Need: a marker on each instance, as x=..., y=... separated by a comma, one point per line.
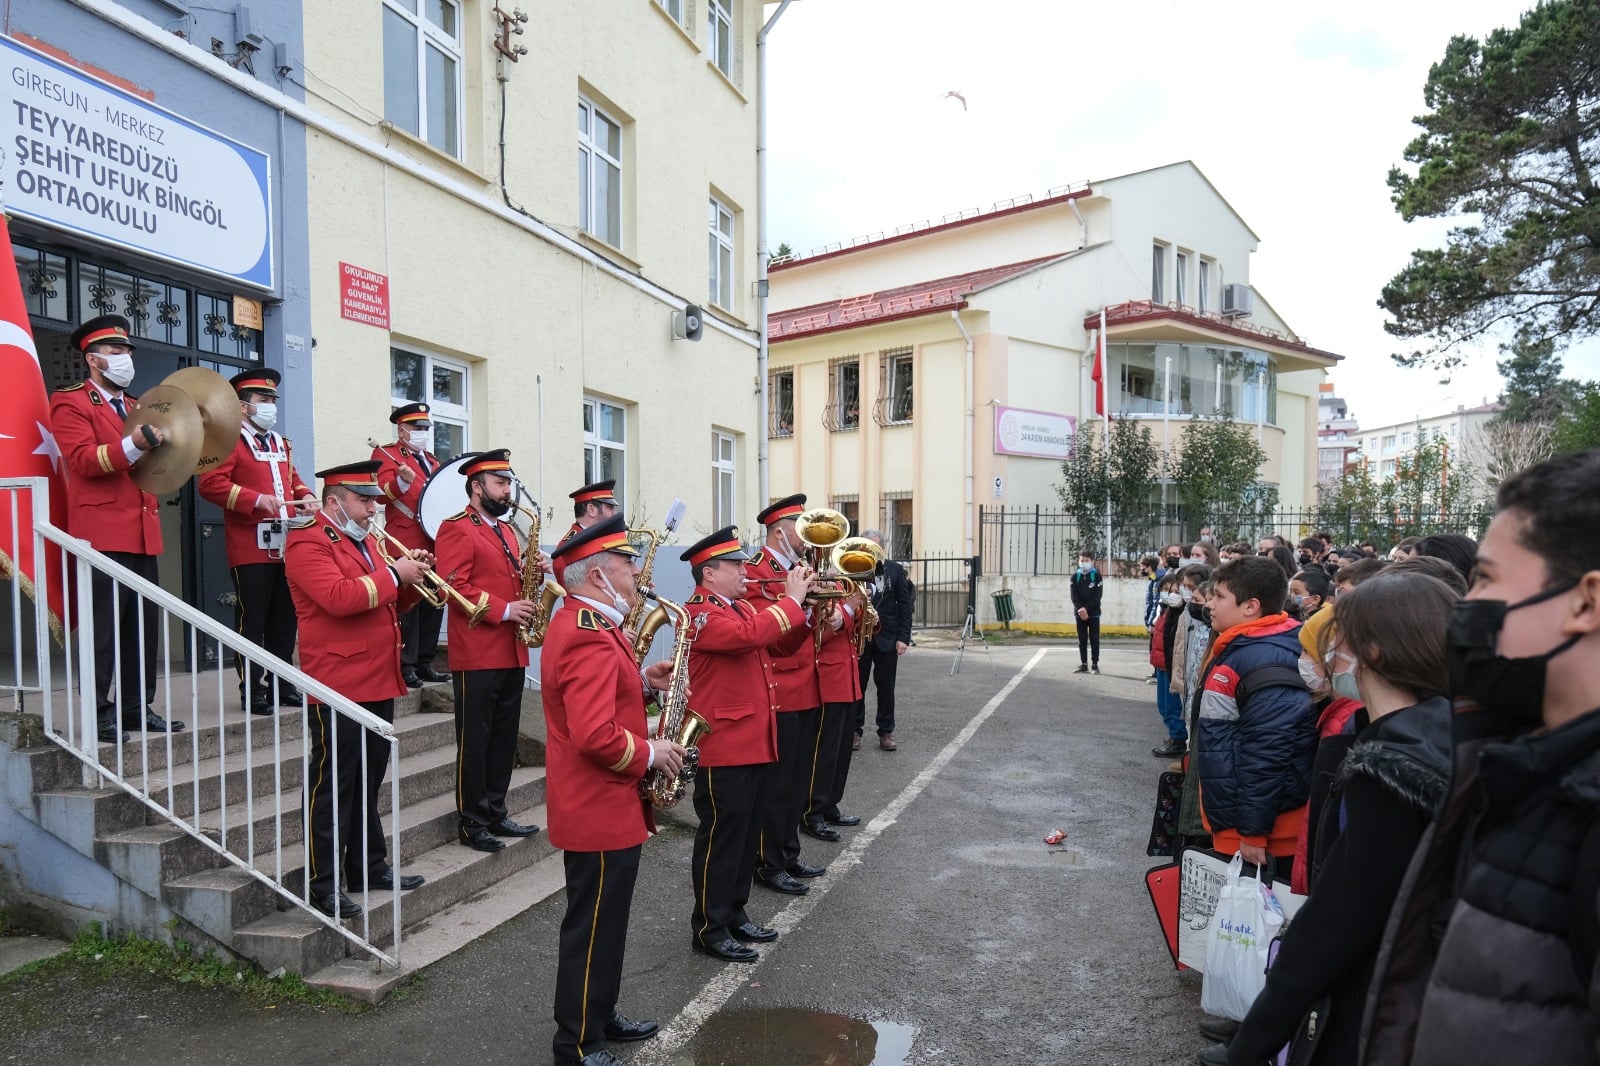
x=894, y=598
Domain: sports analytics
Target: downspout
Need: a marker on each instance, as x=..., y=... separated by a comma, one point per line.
x=1083, y=227
x=763, y=426
x=967, y=401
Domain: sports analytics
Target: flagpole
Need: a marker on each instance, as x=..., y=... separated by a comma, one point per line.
x=1105, y=410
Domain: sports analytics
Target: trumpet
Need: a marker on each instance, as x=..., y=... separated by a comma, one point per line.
x=434, y=589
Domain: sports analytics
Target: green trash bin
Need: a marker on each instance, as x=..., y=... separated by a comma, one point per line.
x=1004, y=609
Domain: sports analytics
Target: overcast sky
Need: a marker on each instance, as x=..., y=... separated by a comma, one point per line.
x=1295, y=112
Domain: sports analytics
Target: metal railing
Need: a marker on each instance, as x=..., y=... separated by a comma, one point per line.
x=152, y=767
x=945, y=588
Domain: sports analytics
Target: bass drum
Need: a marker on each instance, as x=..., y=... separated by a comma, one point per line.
x=444, y=495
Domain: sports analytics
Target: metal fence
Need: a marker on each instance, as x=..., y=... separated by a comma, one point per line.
x=1046, y=541
x=945, y=587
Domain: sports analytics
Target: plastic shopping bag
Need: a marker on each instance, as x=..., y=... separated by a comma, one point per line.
x=1247, y=918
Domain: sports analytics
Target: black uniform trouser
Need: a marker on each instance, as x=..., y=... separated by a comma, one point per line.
x=825, y=758
x=419, y=629
x=263, y=614
x=117, y=630
x=1089, y=636
x=788, y=791
x=881, y=664
x=594, y=935
x=841, y=769
x=488, y=712
x=344, y=800
x=727, y=800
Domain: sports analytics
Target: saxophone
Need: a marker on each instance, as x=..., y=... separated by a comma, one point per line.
x=537, y=586
x=677, y=722
x=636, y=613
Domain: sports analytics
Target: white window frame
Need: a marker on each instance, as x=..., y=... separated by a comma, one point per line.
x=1205, y=283
x=594, y=444
x=720, y=249
x=1180, y=287
x=430, y=34
x=719, y=38
x=724, y=478
x=589, y=151
x=674, y=9
x=441, y=412
x=885, y=412
x=775, y=413
x=1158, y=272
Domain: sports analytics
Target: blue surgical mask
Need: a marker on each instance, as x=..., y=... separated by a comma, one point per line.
x=1344, y=683
x=1084, y=568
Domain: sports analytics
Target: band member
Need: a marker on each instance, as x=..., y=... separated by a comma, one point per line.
x=405, y=469
x=598, y=752
x=839, y=678
x=478, y=553
x=778, y=863
x=105, y=508
x=346, y=599
x=732, y=671
x=261, y=495
x=591, y=504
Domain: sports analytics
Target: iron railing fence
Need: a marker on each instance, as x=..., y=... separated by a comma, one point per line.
x=1046, y=541
x=945, y=586
x=215, y=780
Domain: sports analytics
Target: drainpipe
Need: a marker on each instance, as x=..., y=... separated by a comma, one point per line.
x=1083, y=227
x=967, y=401
x=763, y=458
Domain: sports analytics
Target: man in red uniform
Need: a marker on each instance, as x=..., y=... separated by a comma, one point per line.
x=598, y=751
x=105, y=508
x=403, y=471
x=346, y=598
x=478, y=554
x=778, y=863
x=261, y=495
x=731, y=670
x=591, y=504
x=839, y=678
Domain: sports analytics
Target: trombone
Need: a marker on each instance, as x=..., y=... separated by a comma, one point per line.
x=434, y=589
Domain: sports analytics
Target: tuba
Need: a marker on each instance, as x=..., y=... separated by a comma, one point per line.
x=858, y=559
x=677, y=722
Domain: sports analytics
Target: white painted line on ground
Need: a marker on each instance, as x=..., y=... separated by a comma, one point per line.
x=732, y=976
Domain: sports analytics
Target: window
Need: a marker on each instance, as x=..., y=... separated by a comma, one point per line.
x=719, y=13
x=1388, y=444
x=1386, y=468
x=422, y=70
x=417, y=377
x=1205, y=284
x=1405, y=438
x=1158, y=272
x=850, y=507
x=780, y=402
x=897, y=523
x=1180, y=287
x=1204, y=381
x=843, y=412
x=895, y=394
x=605, y=447
x=723, y=480
x=721, y=245
x=599, y=174
x=673, y=8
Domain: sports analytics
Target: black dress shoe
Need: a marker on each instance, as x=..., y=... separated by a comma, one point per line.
x=110, y=734
x=799, y=868
x=751, y=933
x=384, y=882
x=289, y=696
x=263, y=705
x=624, y=1030
x=340, y=906
x=153, y=723
x=1215, y=1055
x=726, y=949
x=411, y=679
x=1218, y=1029
x=844, y=819
x=820, y=830
x=505, y=827
x=480, y=840
x=779, y=881
x=431, y=676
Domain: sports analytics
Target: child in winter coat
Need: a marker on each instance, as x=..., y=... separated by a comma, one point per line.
x=1087, y=588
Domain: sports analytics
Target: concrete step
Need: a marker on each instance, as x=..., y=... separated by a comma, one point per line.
x=149, y=856
x=81, y=817
x=221, y=900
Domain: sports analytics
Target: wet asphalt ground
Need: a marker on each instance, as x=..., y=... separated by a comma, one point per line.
x=946, y=931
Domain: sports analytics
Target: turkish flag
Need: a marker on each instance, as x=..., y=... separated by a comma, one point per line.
x=27, y=447
x=1099, y=374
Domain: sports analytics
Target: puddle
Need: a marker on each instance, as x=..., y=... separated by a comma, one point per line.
x=795, y=1037
x=1027, y=855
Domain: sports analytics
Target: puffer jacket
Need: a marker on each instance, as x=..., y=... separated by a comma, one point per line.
x=1490, y=950
x=1254, y=758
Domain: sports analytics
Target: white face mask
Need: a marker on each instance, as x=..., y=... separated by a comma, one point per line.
x=265, y=416
x=420, y=440
x=1171, y=599
x=1186, y=594
x=355, y=530
x=119, y=369
x=616, y=598
x=1312, y=676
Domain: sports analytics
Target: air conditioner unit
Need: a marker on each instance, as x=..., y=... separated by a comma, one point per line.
x=1236, y=300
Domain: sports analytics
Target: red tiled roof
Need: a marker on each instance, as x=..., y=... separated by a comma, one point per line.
x=907, y=301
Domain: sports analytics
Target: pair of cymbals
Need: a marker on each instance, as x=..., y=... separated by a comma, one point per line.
x=197, y=414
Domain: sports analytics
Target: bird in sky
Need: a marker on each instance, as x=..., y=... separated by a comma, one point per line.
x=956, y=95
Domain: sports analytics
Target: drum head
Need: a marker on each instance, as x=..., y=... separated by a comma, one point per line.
x=445, y=494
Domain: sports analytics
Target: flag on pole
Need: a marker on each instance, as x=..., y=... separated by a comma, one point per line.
x=1099, y=372
x=27, y=446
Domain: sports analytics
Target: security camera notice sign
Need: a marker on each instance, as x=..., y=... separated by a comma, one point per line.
x=363, y=295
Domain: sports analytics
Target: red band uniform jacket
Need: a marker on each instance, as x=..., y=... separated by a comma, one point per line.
x=795, y=673
x=597, y=740
x=477, y=555
x=400, y=514
x=348, y=611
x=240, y=482
x=731, y=674
x=838, y=669
x=104, y=506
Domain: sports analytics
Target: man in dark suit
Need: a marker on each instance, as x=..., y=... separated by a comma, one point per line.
x=893, y=597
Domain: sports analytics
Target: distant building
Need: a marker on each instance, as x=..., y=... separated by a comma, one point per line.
x=1338, y=436
x=1381, y=446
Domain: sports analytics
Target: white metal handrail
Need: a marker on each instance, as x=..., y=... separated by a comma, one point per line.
x=159, y=789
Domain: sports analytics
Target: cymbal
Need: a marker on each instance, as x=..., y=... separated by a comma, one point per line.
x=164, y=469
x=219, y=412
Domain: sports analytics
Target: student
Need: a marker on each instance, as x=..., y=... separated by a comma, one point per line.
x=1087, y=588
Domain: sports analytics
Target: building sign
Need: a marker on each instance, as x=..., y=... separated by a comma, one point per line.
x=363, y=296
x=1037, y=433
x=84, y=156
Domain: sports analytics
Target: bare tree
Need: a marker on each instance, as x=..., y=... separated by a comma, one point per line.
x=1500, y=449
